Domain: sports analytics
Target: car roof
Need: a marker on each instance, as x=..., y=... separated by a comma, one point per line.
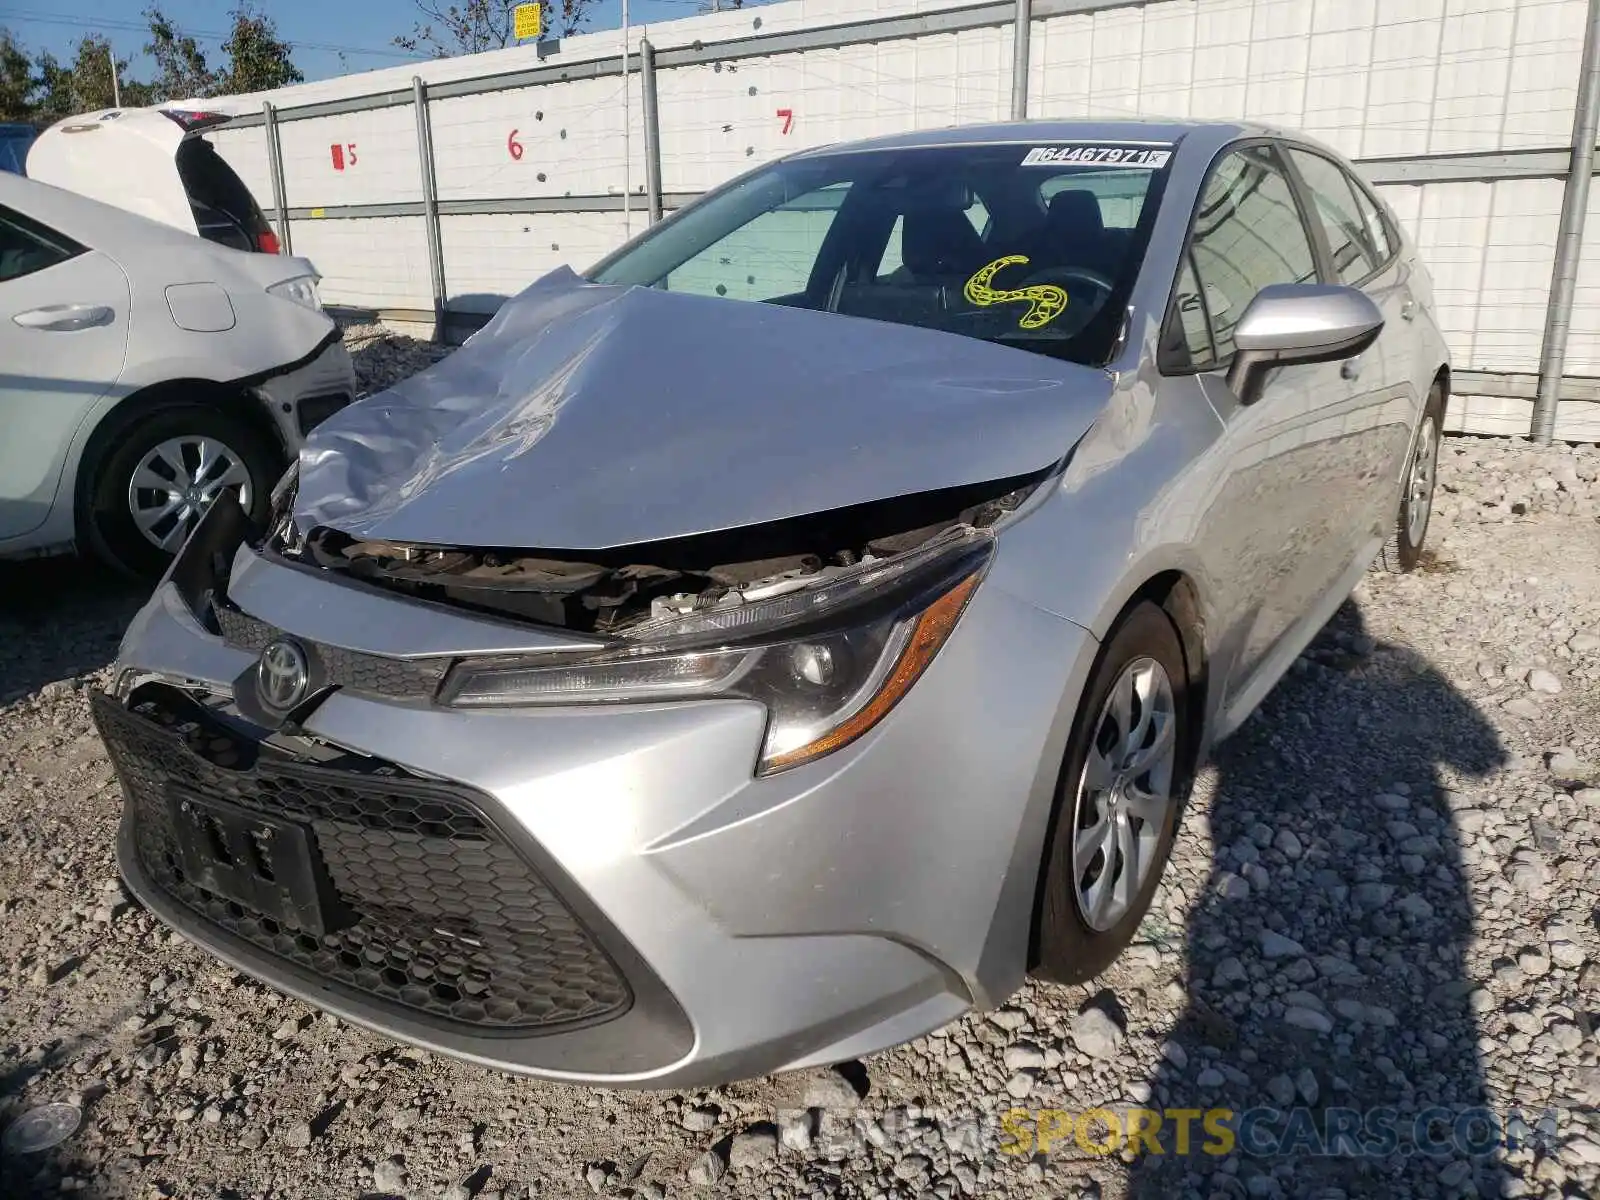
x=1213, y=134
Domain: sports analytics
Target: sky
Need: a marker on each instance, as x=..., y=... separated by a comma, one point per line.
x=362, y=29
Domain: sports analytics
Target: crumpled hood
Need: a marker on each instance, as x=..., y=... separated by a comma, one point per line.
x=586, y=416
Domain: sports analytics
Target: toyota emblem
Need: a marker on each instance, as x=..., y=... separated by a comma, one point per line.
x=282, y=675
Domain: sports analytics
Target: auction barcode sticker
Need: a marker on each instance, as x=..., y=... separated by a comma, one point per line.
x=1149, y=157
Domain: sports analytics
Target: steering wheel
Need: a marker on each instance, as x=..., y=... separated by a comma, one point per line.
x=1068, y=275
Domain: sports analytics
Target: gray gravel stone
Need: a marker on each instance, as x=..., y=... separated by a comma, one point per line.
x=1547, y=682
x=1096, y=1033
x=754, y=1147
x=707, y=1169
x=1276, y=945
x=389, y=1175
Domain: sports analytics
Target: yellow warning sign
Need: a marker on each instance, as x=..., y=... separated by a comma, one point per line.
x=527, y=21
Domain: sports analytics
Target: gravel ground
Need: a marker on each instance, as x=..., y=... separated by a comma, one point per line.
x=1384, y=896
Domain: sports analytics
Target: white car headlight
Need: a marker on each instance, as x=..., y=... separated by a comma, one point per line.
x=302, y=289
x=827, y=661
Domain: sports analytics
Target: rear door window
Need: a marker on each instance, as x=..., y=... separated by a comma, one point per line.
x=224, y=210
x=27, y=246
x=1355, y=258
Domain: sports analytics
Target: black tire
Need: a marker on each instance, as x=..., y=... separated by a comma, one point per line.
x=1403, y=551
x=105, y=520
x=1068, y=949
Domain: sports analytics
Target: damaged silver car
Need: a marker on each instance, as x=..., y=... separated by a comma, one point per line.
x=783, y=638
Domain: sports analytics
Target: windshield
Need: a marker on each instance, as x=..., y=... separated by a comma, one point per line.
x=1032, y=245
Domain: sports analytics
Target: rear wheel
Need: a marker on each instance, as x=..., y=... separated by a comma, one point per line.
x=1120, y=794
x=159, y=475
x=1403, y=551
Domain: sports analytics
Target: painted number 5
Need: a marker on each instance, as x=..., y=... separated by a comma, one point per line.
x=514, y=147
x=788, y=119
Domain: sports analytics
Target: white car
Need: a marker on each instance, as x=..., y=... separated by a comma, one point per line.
x=142, y=371
x=154, y=162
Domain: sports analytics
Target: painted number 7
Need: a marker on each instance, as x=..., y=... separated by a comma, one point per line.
x=788, y=119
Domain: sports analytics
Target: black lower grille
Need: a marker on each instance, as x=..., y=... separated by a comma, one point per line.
x=436, y=912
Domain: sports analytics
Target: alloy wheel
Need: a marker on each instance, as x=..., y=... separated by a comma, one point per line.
x=176, y=482
x=1124, y=795
x=1419, y=486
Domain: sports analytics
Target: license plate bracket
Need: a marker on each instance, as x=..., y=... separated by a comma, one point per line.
x=266, y=864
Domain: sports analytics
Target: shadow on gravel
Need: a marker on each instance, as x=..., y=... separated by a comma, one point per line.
x=59, y=617
x=1328, y=1000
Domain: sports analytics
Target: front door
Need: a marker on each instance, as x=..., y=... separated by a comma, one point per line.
x=1274, y=530
x=63, y=339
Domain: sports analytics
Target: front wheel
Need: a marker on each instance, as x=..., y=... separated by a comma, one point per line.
x=1121, y=790
x=1403, y=551
x=158, y=477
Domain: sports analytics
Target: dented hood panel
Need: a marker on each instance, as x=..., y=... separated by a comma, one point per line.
x=587, y=417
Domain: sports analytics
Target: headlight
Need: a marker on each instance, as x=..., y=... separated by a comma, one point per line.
x=302, y=289
x=828, y=661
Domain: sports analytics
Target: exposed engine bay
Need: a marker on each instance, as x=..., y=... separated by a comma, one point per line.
x=608, y=591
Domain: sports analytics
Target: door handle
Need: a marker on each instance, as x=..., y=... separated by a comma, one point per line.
x=64, y=318
x=1408, y=311
x=1351, y=368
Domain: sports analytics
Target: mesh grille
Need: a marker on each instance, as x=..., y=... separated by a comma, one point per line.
x=373, y=673
x=440, y=914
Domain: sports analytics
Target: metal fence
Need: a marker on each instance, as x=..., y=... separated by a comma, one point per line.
x=1478, y=190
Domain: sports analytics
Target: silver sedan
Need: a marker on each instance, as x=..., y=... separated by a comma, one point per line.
x=788, y=635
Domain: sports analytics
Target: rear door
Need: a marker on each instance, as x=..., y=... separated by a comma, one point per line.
x=1385, y=402
x=63, y=341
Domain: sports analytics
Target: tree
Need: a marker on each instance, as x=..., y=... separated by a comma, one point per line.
x=474, y=26
x=52, y=85
x=85, y=85
x=181, y=69
x=260, y=60
x=16, y=80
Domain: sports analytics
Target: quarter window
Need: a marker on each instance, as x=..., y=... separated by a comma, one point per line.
x=1378, y=228
x=26, y=246
x=1188, y=342
x=1355, y=258
x=1247, y=234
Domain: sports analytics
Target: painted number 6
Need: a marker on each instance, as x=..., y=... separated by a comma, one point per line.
x=513, y=146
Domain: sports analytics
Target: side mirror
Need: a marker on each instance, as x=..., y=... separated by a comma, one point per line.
x=1299, y=323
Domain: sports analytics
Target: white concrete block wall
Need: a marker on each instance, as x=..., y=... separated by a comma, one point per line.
x=1375, y=78
x=1583, y=348
x=491, y=257
x=1542, y=88
x=569, y=135
x=1519, y=256
x=1338, y=56
x=354, y=158
x=369, y=263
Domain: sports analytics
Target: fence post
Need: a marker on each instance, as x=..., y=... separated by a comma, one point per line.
x=1569, y=236
x=1021, y=40
x=280, y=203
x=430, y=202
x=652, y=128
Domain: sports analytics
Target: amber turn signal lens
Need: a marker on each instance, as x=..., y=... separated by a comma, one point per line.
x=932, y=628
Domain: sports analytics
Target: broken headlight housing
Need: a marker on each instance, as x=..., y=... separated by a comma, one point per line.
x=827, y=659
